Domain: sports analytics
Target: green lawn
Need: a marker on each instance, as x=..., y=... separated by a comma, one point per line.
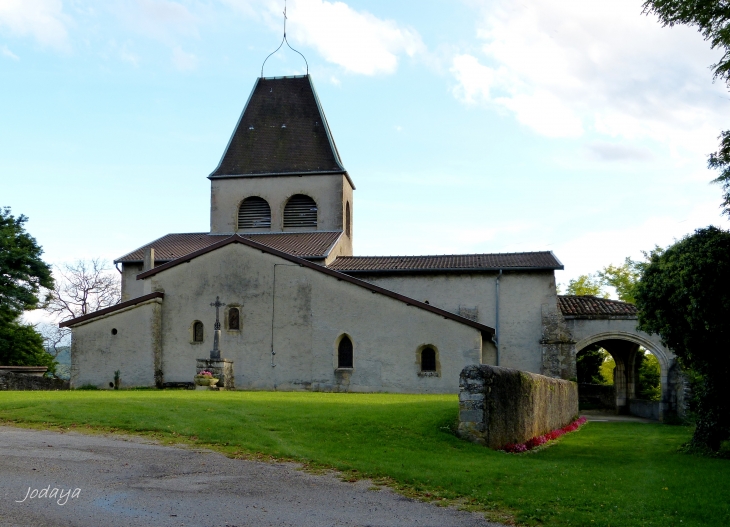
x=617, y=474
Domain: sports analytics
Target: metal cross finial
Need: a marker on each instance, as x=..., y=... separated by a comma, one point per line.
x=217, y=305
x=281, y=44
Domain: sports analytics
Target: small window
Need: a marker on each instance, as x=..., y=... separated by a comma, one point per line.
x=344, y=353
x=300, y=211
x=428, y=359
x=234, y=319
x=254, y=213
x=347, y=219
x=198, y=332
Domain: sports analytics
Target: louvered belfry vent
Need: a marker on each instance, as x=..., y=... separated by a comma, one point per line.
x=254, y=213
x=300, y=211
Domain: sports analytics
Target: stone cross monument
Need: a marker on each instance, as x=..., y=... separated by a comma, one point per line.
x=215, y=353
x=221, y=368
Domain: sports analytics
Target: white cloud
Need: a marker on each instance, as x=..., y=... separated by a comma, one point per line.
x=42, y=19
x=572, y=68
x=355, y=40
x=5, y=52
x=182, y=60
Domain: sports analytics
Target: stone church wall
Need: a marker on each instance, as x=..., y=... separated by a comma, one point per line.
x=127, y=340
x=307, y=316
x=521, y=297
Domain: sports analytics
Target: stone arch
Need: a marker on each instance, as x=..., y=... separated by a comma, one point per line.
x=659, y=353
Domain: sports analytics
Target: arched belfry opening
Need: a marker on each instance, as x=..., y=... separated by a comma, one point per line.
x=254, y=213
x=300, y=212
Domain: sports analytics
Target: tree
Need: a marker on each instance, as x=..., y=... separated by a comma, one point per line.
x=23, y=275
x=712, y=19
x=588, y=364
x=83, y=287
x=623, y=278
x=22, y=272
x=684, y=296
x=586, y=285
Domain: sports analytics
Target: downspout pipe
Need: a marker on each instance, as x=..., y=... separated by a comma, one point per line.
x=496, y=324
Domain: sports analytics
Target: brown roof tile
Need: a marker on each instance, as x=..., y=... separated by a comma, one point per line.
x=449, y=262
x=173, y=246
x=594, y=307
x=282, y=130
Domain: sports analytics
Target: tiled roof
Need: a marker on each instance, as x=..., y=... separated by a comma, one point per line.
x=594, y=307
x=173, y=246
x=449, y=262
x=282, y=130
x=320, y=269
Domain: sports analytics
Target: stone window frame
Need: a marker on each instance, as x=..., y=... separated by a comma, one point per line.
x=336, y=357
x=348, y=220
x=226, y=321
x=192, y=332
x=419, y=369
x=284, y=213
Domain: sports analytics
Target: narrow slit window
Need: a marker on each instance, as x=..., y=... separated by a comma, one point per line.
x=300, y=211
x=344, y=353
x=198, y=332
x=234, y=318
x=254, y=213
x=428, y=359
x=347, y=219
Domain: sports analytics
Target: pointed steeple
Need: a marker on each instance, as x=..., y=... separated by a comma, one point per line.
x=282, y=131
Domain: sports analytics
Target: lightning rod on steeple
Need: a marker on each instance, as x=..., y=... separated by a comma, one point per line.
x=281, y=44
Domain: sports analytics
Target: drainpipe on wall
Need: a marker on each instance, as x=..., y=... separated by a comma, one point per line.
x=496, y=329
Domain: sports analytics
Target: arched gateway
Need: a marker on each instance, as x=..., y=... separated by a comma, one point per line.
x=583, y=321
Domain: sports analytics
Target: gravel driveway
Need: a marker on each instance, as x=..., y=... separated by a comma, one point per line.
x=129, y=482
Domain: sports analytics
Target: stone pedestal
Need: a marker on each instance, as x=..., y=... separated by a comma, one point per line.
x=222, y=369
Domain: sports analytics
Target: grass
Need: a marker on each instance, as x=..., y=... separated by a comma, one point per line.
x=606, y=474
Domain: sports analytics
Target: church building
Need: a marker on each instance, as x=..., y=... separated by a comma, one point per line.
x=298, y=310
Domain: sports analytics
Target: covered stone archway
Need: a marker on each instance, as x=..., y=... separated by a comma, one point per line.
x=582, y=321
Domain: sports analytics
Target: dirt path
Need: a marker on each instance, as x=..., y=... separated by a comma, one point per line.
x=133, y=483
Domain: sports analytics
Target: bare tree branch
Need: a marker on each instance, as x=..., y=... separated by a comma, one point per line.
x=83, y=287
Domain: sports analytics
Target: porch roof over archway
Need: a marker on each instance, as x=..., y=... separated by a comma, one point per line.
x=592, y=307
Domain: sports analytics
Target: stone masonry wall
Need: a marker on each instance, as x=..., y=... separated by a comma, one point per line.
x=498, y=406
x=19, y=381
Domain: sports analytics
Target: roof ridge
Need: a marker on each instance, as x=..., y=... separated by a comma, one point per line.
x=442, y=255
x=319, y=268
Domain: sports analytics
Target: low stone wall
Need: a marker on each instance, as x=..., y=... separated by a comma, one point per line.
x=645, y=409
x=498, y=406
x=19, y=381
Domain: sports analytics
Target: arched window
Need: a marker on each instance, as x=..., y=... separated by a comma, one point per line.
x=234, y=318
x=344, y=353
x=254, y=213
x=428, y=359
x=300, y=211
x=347, y=218
x=198, y=332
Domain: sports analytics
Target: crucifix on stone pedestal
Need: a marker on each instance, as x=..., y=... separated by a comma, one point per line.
x=215, y=353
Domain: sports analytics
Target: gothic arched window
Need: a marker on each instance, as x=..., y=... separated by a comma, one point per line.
x=198, y=331
x=428, y=359
x=300, y=211
x=344, y=353
x=254, y=213
x=234, y=318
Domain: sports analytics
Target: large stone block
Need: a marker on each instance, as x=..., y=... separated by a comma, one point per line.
x=515, y=406
x=19, y=381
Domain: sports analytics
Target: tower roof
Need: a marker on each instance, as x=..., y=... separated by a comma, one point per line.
x=282, y=131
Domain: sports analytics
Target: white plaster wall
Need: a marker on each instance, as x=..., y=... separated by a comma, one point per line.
x=312, y=311
x=131, y=287
x=521, y=297
x=326, y=190
x=96, y=353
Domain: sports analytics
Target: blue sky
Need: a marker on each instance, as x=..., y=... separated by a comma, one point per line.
x=576, y=126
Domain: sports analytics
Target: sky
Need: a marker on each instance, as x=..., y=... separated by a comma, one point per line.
x=580, y=127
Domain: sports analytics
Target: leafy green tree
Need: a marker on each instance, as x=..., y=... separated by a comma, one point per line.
x=586, y=285
x=23, y=275
x=22, y=272
x=712, y=20
x=623, y=278
x=648, y=386
x=684, y=296
x=588, y=364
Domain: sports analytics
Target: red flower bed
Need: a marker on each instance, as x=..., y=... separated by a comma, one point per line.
x=514, y=448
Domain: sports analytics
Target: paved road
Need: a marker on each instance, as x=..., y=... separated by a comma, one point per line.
x=131, y=483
